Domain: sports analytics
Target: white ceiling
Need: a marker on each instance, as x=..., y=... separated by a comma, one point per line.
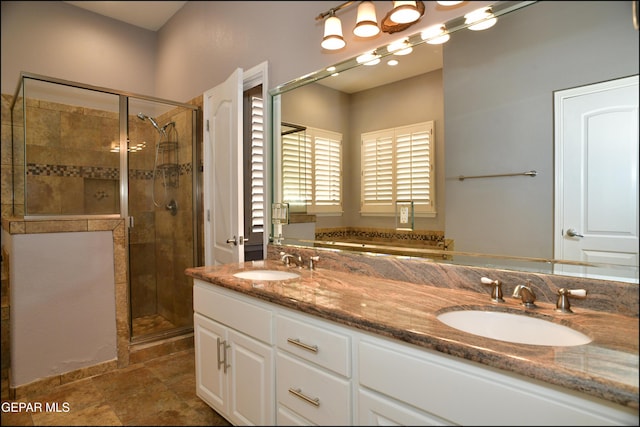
x=150, y=15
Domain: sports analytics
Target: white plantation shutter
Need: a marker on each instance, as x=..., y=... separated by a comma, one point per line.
x=377, y=170
x=257, y=165
x=312, y=171
x=397, y=165
x=413, y=164
x=297, y=169
x=327, y=188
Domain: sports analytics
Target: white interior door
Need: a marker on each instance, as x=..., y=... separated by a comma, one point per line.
x=223, y=194
x=596, y=216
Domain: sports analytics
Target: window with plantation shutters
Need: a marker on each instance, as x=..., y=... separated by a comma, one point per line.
x=327, y=166
x=397, y=165
x=312, y=171
x=257, y=165
x=297, y=170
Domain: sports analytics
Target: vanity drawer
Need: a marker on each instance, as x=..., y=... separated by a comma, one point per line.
x=314, y=343
x=312, y=393
x=217, y=303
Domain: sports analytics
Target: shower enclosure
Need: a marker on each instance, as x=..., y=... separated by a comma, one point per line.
x=81, y=151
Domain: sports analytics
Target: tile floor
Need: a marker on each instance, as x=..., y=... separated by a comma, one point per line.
x=157, y=392
x=153, y=323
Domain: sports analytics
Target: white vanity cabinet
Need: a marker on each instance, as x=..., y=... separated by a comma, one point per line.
x=313, y=372
x=406, y=385
x=234, y=355
x=286, y=367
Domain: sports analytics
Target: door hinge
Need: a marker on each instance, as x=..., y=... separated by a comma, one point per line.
x=208, y=215
x=207, y=125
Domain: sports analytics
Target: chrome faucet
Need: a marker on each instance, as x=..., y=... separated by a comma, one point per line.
x=496, y=292
x=526, y=294
x=286, y=259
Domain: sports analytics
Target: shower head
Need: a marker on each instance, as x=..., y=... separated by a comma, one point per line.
x=153, y=122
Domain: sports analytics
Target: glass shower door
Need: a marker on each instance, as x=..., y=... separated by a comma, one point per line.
x=160, y=207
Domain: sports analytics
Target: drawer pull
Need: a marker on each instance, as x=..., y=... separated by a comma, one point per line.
x=298, y=393
x=295, y=341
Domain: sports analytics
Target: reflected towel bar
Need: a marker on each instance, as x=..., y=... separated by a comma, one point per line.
x=528, y=173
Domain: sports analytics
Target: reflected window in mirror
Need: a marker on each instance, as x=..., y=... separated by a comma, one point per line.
x=312, y=170
x=397, y=164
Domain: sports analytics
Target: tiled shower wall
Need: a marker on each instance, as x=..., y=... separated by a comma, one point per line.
x=161, y=244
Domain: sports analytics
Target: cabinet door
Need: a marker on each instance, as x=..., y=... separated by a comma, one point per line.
x=210, y=376
x=251, y=384
x=376, y=410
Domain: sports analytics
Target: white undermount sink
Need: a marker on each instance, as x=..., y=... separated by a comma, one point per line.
x=266, y=275
x=512, y=327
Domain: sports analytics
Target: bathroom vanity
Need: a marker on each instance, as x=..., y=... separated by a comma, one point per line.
x=338, y=348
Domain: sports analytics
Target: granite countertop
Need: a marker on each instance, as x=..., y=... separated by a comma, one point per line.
x=606, y=368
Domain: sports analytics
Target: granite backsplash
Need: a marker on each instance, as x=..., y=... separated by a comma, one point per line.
x=602, y=295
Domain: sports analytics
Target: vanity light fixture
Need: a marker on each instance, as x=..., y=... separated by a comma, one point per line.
x=403, y=15
x=366, y=23
x=436, y=34
x=333, y=39
x=404, y=12
x=480, y=19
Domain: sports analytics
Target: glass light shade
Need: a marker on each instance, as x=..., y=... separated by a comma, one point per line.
x=484, y=18
x=333, y=39
x=404, y=12
x=366, y=23
x=436, y=34
x=449, y=3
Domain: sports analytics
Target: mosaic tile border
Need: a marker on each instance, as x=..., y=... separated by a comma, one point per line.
x=354, y=233
x=70, y=171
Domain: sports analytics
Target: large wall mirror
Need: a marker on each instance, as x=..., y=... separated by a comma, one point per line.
x=492, y=99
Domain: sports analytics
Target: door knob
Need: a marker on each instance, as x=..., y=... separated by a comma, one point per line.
x=573, y=233
x=233, y=240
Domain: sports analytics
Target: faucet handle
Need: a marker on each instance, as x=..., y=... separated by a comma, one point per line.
x=496, y=292
x=312, y=262
x=563, y=305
